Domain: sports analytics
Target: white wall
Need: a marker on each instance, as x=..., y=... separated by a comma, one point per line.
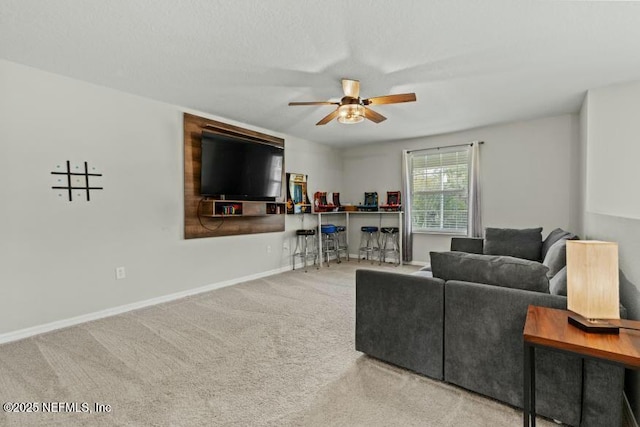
x=529, y=174
x=610, y=199
x=612, y=158
x=323, y=166
x=611, y=149
x=58, y=257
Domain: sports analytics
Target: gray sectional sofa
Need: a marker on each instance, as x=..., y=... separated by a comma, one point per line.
x=464, y=326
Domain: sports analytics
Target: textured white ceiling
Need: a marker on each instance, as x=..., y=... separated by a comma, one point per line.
x=470, y=62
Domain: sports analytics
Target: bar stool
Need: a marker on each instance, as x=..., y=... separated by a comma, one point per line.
x=329, y=242
x=369, y=242
x=390, y=244
x=341, y=239
x=306, y=247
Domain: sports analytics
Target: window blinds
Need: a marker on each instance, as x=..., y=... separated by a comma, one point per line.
x=440, y=190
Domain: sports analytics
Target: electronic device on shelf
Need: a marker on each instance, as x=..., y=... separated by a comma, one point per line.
x=234, y=168
x=320, y=203
x=370, y=202
x=335, y=198
x=394, y=203
x=297, y=198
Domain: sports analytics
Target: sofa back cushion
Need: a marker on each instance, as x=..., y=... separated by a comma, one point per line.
x=558, y=284
x=524, y=243
x=556, y=257
x=495, y=270
x=470, y=245
x=553, y=237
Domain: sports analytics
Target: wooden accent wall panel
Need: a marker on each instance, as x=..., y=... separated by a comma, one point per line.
x=196, y=226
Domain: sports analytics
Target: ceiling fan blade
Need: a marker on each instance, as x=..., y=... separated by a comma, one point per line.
x=351, y=88
x=328, y=118
x=373, y=116
x=390, y=99
x=315, y=103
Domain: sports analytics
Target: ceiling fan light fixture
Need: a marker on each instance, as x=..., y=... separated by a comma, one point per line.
x=353, y=109
x=350, y=113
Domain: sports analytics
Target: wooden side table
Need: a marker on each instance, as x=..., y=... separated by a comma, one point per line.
x=549, y=328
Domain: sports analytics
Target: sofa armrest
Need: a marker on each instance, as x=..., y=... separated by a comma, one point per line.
x=472, y=245
x=484, y=350
x=484, y=353
x=399, y=319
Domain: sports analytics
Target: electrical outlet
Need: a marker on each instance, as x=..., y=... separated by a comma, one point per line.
x=285, y=246
x=268, y=249
x=121, y=273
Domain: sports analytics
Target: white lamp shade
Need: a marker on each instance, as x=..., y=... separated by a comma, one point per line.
x=592, y=279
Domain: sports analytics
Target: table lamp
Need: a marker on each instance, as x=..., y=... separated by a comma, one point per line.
x=593, y=285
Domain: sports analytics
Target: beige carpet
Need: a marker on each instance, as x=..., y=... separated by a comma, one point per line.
x=277, y=351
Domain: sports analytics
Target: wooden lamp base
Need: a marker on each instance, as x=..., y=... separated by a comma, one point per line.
x=596, y=326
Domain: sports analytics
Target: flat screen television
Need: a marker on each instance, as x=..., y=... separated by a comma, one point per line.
x=237, y=169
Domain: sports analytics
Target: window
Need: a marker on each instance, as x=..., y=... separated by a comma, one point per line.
x=439, y=182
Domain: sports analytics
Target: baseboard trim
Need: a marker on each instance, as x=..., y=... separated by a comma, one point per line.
x=356, y=257
x=628, y=419
x=65, y=323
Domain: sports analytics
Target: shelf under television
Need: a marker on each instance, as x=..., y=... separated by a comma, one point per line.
x=241, y=208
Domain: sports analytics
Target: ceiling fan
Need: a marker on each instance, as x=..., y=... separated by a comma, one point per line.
x=353, y=109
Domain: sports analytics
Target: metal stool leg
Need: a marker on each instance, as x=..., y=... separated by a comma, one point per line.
x=341, y=243
x=295, y=252
x=325, y=248
x=314, y=251
x=390, y=244
x=336, y=245
x=369, y=243
x=328, y=242
x=383, y=249
x=375, y=247
x=304, y=250
x=331, y=247
x=396, y=245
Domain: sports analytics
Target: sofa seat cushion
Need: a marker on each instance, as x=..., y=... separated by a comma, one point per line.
x=505, y=271
x=525, y=243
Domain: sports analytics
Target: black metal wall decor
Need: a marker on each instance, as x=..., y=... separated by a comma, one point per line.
x=76, y=180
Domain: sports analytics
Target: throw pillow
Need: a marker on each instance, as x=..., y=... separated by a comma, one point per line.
x=525, y=243
x=470, y=245
x=553, y=237
x=558, y=284
x=556, y=257
x=502, y=271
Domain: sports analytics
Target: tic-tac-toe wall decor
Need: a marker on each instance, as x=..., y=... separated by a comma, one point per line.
x=76, y=180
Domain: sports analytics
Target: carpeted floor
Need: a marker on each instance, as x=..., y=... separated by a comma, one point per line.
x=277, y=351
